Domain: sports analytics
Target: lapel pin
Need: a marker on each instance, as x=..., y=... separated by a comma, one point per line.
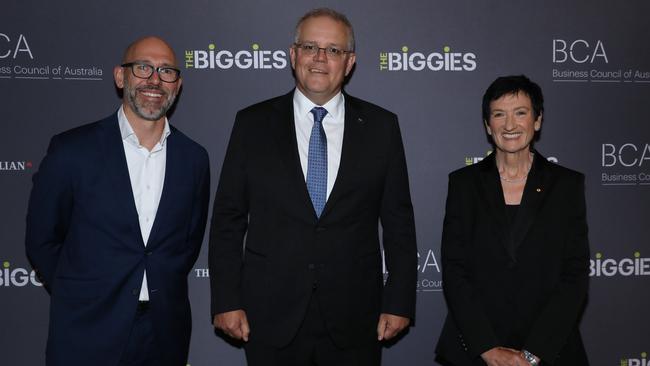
x=538, y=190
x=360, y=120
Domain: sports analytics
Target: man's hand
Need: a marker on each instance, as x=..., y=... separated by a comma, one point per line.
x=233, y=323
x=390, y=325
x=502, y=356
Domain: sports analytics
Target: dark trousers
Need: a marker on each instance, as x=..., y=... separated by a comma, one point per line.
x=312, y=346
x=141, y=348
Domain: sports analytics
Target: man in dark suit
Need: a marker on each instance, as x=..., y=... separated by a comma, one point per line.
x=115, y=222
x=306, y=180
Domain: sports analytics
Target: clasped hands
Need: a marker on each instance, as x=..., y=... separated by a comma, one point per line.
x=235, y=325
x=503, y=356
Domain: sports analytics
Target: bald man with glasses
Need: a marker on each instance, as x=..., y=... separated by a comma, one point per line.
x=115, y=222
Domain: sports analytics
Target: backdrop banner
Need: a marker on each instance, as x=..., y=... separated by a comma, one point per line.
x=427, y=61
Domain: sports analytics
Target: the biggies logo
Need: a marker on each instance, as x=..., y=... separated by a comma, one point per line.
x=587, y=60
x=625, y=267
x=18, y=60
x=470, y=160
x=625, y=164
x=256, y=58
x=17, y=276
x=14, y=165
x=643, y=361
x=201, y=272
x=408, y=60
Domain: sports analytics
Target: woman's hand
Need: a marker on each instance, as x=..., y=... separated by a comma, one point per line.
x=502, y=356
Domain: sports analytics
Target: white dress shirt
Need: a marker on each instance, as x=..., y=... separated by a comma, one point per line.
x=333, y=124
x=147, y=174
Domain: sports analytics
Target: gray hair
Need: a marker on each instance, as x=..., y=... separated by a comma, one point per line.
x=332, y=14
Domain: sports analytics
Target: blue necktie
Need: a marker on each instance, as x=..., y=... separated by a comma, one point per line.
x=317, y=162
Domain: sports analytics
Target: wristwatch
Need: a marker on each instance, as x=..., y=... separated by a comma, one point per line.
x=530, y=358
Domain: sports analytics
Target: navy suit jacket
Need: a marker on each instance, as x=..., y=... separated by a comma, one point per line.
x=83, y=238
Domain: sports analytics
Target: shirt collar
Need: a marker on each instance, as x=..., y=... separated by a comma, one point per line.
x=129, y=135
x=335, y=106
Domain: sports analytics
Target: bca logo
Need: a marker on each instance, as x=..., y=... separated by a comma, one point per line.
x=14, y=47
x=579, y=51
x=627, y=155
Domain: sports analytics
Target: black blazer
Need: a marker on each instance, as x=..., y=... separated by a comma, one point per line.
x=262, y=197
x=522, y=286
x=83, y=238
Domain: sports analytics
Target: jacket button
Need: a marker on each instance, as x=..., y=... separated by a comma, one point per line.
x=320, y=229
x=148, y=252
x=311, y=266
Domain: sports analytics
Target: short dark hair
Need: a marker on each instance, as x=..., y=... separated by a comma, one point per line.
x=332, y=14
x=513, y=84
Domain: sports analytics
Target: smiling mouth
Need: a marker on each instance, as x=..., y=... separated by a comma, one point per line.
x=317, y=71
x=511, y=135
x=151, y=94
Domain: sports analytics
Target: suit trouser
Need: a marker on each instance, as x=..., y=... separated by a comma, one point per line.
x=312, y=346
x=141, y=348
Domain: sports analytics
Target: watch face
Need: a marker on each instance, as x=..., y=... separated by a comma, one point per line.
x=530, y=358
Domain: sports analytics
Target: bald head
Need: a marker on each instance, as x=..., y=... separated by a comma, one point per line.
x=150, y=46
x=147, y=96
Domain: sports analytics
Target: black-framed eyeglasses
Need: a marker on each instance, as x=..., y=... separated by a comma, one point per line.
x=312, y=49
x=144, y=71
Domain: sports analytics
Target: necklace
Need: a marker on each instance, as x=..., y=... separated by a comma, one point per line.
x=517, y=180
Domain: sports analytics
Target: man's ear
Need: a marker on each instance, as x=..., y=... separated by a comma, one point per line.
x=118, y=76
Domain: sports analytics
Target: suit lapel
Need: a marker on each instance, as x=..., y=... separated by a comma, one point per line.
x=537, y=186
x=173, y=178
x=118, y=171
x=285, y=136
x=350, y=151
x=493, y=194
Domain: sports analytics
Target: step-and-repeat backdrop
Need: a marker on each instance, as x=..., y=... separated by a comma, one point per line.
x=428, y=61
